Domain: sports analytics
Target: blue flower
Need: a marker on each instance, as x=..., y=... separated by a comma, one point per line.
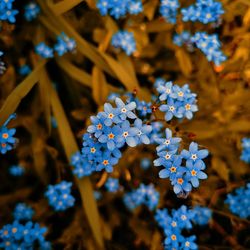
x=59, y=196
x=239, y=203
x=165, y=157
x=125, y=110
x=164, y=89
x=203, y=11
x=183, y=216
x=16, y=170
x=124, y=40
x=31, y=11
x=112, y=136
x=195, y=155
x=162, y=217
x=188, y=243
x=6, y=11
x=19, y=236
x=112, y=185
x=64, y=44
x=144, y=108
x=119, y=8
x=142, y=132
x=245, y=155
x=182, y=38
x=7, y=140
x=24, y=70
x=2, y=65
x=210, y=46
x=107, y=161
x=173, y=238
x=82, y=166
x=169, y=143
x=195, y=173
x=171, y=109
x=172, y=168
x=181, y=184
x=129, y=134
x=43, y=50
x=168, y=9
x=23, y=211
x=110, y=115
x=144, y=195
x=97, y=125
x=202, y=215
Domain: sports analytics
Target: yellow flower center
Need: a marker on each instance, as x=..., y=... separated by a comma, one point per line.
x=173, y=169
x=180, y=94
x=111, y=116
x=111, y=136
x=99, y=126
x=5, y=135
x=105, y=162
x=193, y=172
x=92, y=150
x=167, y=156
x=173, y=237
x=187, y=106
x=180, y=181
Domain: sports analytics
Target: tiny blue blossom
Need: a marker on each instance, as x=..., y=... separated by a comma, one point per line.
x=168, y=9
x=245, y=154
x=59, y=196
x=112, y=185
x=7, y=141
x=239, y=201
x=124, y=40
x=202, y=215
x=24, y=70
x=16, y=170
x=31, y=11
x=23, y=211
x=43, y=50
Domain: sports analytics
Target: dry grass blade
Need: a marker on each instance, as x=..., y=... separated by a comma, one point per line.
x=84, y=185
x=13, y=100
x=74, y=72
x=64, y=6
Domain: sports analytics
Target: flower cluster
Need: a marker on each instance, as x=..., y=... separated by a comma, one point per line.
x=180, y=102
x=245, y=155
x=169, y=9
x=207, y=11
x=63, y=45
x=7, y=13
x=7, y=140
x=240, y=202
x=81, y=166
x=59, y=196
x=18, y=236
x=202, y=215
x=183, y=38
x=173, y=225
x=124, y=40
x=112, y=185
x=119, y=8
x=44, y=50
x=31, y=11
x=210, y=46
x=182, y=177
x=2, y=65
x=16, y=170
x=144, y=195
x=23, y=211
x=111, y=130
